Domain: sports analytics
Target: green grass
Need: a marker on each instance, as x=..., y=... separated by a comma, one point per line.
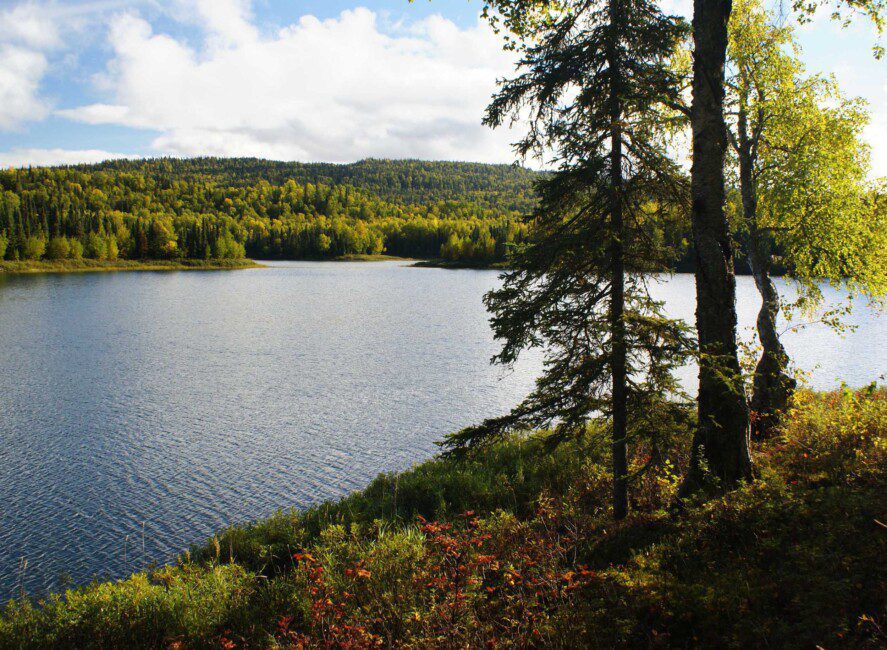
x=87, y=265
x=517, y=548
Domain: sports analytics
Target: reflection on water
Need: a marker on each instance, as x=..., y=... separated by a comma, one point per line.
x=140, y=412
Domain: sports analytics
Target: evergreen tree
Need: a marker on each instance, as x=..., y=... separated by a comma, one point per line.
x=596, y=79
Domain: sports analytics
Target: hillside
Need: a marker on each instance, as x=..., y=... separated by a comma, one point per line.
x=503, y=188
x=212, y=208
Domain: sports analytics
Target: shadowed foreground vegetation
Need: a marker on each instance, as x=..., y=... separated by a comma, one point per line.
x=518, y=549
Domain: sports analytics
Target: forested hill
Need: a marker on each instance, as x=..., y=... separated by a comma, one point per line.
x=499, y=187
x=206, y=208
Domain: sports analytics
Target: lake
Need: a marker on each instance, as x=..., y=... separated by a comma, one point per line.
x=141, y=412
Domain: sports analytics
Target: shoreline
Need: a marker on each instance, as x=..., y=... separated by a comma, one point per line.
x=8, y=267
x=457, y=265
x=96, y=266
x=362, y=257
x=263, y=582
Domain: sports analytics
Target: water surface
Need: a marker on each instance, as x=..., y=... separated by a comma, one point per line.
x=141, y=412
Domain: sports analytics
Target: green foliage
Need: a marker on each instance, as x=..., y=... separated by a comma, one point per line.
x=33, y=248
x=141, y=611
x=835, y=438
x=769, y=565
x=808, y=165
x=596, y=82
x=500, y=188
x=228, y=248
x=227, y=209
x=75, y=249
x=58, y=248
x=96, y=247
x=4, y=243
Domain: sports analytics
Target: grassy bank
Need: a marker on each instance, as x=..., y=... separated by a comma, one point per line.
x=517, y=549
x=373, y=258
x=87, y=265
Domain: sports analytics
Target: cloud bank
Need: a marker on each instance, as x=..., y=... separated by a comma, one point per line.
x=210, y=77
x=334, y=90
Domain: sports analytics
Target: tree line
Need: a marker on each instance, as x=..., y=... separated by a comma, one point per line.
x=167, y=209
x=504, y=188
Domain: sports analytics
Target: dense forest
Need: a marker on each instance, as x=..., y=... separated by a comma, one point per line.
x=212, y=208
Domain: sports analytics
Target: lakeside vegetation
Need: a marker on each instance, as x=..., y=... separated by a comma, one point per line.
x=518, y=548
x=89, y=265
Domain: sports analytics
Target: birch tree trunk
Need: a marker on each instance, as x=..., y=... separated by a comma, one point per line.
x=721, y=441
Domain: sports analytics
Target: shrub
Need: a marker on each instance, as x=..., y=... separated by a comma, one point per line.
x=228, y=248
x=835, y=437
x=58, y=248
x=4, y=244
x=467, y=583
x=96, y=247
x=188, y=603
x=75, y=249
x=33, y=248
x=113, y=251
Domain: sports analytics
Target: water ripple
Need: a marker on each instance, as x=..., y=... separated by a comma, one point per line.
x=141, y=412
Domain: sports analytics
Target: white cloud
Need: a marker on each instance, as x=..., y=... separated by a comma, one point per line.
x=226, y=20
x=26, y=32
x=21, y=70
x=30, y=25
x=99, y=114
x=336, y=90
x=36, y=157
x=34, y=37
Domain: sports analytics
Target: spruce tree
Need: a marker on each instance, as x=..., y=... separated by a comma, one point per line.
x=595, y=78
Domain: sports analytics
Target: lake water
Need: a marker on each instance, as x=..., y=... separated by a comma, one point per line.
x=141, y=412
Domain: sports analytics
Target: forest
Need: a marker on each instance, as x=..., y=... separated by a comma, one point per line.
x=212, y=208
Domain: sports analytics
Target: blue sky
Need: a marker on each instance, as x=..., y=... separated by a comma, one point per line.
x=334, y=80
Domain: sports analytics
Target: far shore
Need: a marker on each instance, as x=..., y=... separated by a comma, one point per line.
x=96, y=266
x=456, y=264
x=92, y=266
